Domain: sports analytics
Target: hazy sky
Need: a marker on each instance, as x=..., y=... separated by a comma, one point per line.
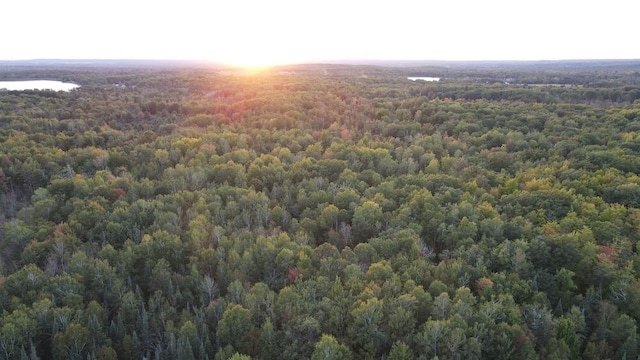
x=281, y=31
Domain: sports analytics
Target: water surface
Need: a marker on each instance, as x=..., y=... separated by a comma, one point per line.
x=423, y=78
x=38, y=85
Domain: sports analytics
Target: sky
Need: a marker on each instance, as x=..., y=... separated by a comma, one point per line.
x=267, y=32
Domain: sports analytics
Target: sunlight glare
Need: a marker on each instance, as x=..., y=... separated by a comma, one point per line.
x=250, y=50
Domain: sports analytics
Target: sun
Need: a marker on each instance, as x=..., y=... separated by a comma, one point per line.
x=258, y=49
x=259, y=58
x=257, y=34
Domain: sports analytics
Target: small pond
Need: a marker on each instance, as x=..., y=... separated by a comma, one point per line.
x=38, y=85
x=424, y=78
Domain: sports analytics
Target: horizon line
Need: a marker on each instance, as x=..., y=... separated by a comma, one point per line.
x=320, y=61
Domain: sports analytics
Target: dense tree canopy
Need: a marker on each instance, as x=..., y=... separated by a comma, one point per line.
x=321, y=214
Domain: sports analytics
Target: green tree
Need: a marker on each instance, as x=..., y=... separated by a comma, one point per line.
x=400, y=351
x=328, y=348
x=26, y=284
x=238, y=356
x=16, y=332
x=73, y=343
x=235, y=328
x=366, y=327
x=269, y=343
x=368, y=221
x=431, y=339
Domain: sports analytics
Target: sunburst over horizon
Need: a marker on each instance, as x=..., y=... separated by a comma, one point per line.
x=251, y=60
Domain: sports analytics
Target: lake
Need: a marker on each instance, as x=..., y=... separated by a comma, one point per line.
x=38, y=85
x=424, y=78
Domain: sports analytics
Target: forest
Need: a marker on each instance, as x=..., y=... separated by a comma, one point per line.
x=321, y=212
